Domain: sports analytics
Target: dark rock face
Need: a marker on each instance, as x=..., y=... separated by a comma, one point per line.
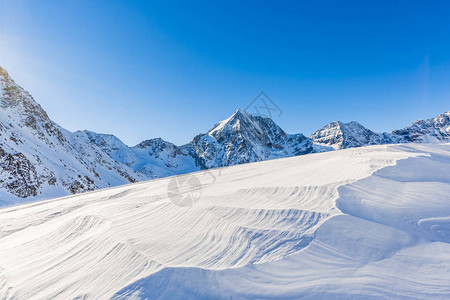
x=18, y=174
x=82, y=184
x=157, y=146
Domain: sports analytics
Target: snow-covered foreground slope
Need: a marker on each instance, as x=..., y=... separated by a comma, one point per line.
x=368, y=222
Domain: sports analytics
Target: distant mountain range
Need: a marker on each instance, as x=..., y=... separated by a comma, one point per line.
x=39, y=159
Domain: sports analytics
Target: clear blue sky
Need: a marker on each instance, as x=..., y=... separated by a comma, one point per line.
x=172, y=69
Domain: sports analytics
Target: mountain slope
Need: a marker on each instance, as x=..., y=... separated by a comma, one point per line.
x=39, y=159
x=331, y=224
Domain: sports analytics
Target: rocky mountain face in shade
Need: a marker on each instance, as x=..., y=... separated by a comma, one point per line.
x=39, y=159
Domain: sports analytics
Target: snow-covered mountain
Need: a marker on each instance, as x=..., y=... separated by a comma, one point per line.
x=425, y=131
x=244, y=138
x=39, y=159
x=241, y=138
x=154, y=158
x=341, y=135
x=360, y=223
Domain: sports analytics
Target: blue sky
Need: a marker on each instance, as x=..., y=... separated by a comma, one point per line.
x=172, y=69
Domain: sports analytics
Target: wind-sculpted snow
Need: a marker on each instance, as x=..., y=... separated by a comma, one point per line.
x=392, y=241
x=413, y=196
x=130, y=239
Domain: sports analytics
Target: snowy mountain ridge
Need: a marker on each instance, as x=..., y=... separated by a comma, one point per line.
x=341, y=135
x=425, y=131
x=39, y=159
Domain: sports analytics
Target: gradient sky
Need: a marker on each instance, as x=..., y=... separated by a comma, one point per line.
x=172, y=69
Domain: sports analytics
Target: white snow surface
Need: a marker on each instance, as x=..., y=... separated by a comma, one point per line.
x=357, y=223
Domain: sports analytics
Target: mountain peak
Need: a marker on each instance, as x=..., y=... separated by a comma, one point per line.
x=155, y=143
x=107, y=142
x=345, y=125
x=245, y=138
x=241, y=113
x=342, y=135
x=234, y=122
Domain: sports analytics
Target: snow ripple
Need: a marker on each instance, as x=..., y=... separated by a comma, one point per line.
x=391, y=242
x=93, y=245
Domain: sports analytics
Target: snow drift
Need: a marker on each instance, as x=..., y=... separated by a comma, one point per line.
x=364, y=222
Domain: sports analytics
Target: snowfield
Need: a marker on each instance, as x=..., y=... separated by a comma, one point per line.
x=365, y=222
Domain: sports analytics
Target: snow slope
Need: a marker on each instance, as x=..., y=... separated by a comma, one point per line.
x=364, y=222
x=392, y=241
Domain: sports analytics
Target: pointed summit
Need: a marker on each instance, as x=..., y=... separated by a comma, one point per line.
x=245, y=138
x=240, y=113
x=237, y=120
